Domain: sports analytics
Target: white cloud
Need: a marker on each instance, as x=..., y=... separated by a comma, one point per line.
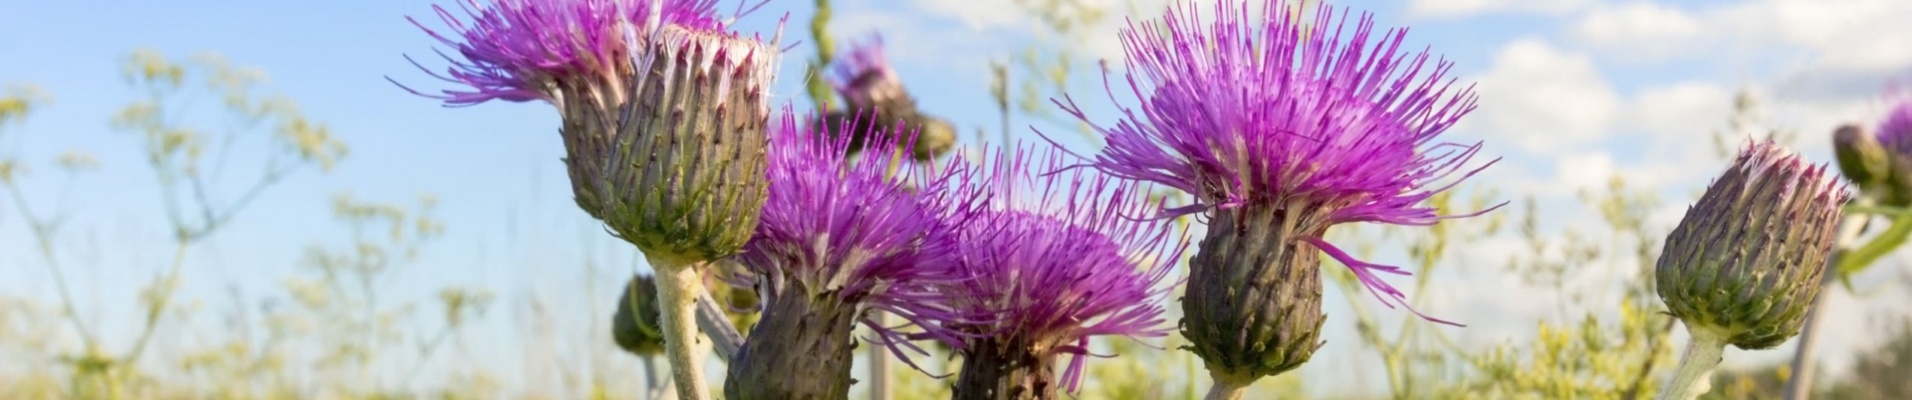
x=1641, y=28
x=1433, y=9
x=1843, y=36
x=978, y=15
x=1680, y=120
x=1543, y=98
x=1839, y=35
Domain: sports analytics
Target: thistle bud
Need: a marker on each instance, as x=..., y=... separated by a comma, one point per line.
x=1880, y=163
x=663, y=109
x=1861, y=157
x=635, y=326
x=685, y=175
x=1745, y=261
x=1253, y=305
x=878, y=103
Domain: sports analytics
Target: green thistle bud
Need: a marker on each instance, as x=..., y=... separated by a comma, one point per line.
x=635, y=327
x=1253, y=305
x=1745, y=261
x=684, y=176
x=1873, y=168
x=1861, y=157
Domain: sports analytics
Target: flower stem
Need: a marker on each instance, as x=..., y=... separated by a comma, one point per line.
x=717, y=327
x=677, y=286
x=1228, y=387
x=1226, y=391
x=1694, y=376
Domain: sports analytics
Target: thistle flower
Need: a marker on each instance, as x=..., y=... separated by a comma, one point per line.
x=1281, y=130
x=838, y=242
x=524, y=50
x=663, y=114
x=1881, y=166
x=1896, y=130
x=1744, y=264
x=878, y=103
x=1747, y=257
x=863, y=77
x=662, y=79
x=1053, y=260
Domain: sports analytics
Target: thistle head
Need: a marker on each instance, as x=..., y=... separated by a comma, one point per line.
x=1880, y=165
x=663, y=109
x=635, y=326
x=877, y=101
x=1861, y=157
x=1286, y=111
x=856, y=231
x=1895, y=132
x=1055, y=257
x=863, y=77
x=1275, y=113
x=1746, y=260
x=524, y=50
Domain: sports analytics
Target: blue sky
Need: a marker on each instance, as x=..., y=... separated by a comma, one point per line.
x=1573, y=91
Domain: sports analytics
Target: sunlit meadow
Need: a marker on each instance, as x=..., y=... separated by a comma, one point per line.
x=271, y=201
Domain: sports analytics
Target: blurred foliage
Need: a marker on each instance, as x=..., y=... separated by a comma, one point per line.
x=1882, y=372
x=193, y=157
x=821, y=94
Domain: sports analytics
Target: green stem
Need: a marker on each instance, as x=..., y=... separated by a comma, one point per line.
x=1227, y=390
x=43, y=237
x=677, y=286
x=1858, y=259
x=1694, y=376
x=161, y=300
x=820, y=37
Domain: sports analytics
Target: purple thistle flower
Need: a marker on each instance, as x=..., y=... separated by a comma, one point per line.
x=875, y=96
x=523, y=50
x=1054, y=259
x=1289, y=115
x=1879, y=163
x=839, y=239
x=1895, y=132
x=864, y=78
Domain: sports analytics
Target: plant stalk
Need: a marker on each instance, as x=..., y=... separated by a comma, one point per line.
x=1799, y=386
x=678, y=285
x=880, y=365
x=1226, y=391
x=723, y=336
x=1694, y=376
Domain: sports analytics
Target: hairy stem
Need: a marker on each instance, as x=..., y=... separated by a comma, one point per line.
x=723, y=336
x=1227, y=390
x=1694, y=376
x=677, y=286
x=880, y=366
